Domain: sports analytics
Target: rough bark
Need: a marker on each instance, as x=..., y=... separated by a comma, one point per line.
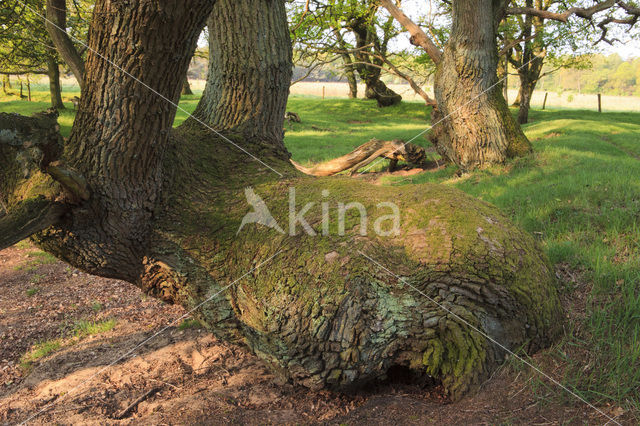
x=365, y=154
x=56, y=25
x=53, y=72
x=249, y=72
x=164, y=214
x=122, y=128
x=472, y=125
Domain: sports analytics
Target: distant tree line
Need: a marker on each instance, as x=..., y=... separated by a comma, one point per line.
x=609, y=75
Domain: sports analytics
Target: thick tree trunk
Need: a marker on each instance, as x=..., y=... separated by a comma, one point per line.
x=169, y=215
x=472, y=125
x=53, y=72
x=186, y=87
x=56, y=25
x=249, y=72
x=122, y=128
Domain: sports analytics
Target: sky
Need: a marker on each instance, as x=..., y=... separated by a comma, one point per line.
x=628, y=48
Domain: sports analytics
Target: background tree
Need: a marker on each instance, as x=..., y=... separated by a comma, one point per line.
x=472, y=123
x=26, y=48
x=353, y=32
x=56, y=24
x=127, y=197
x=532, y=41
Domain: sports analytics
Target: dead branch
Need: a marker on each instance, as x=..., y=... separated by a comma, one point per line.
x=365, y=154
x=418, y=36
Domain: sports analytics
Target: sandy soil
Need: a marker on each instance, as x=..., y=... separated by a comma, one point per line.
x=188, y=377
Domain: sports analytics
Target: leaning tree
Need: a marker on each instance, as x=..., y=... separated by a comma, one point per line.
x=472, y=124
x=128, y=197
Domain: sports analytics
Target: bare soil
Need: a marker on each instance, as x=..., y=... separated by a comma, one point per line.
x=186, y=376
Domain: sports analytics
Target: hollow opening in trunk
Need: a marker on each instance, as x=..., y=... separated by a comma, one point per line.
x=403, y=375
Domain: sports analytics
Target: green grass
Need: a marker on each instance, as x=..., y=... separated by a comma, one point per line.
x=85, y=328
x=40, y=350
x=579, y=194
x=333, y=127
x=189, y=323
x=32, y=291
x=37, y=258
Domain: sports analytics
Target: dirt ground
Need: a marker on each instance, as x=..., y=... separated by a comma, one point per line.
x=183, y=375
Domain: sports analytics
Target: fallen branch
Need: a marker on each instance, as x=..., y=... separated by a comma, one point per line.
x=366, y=154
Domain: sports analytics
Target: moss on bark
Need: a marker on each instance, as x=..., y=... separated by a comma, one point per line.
x=321, y=314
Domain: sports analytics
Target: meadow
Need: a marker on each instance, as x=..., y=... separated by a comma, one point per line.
x=578, y=194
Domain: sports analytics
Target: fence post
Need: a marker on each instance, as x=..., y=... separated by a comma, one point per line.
x=322, y=92
x=599, y=102
x=544, y=103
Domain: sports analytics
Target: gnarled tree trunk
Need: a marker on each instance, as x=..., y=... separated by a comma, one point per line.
x=472, y=124
x=369, y=67
x=167, y=213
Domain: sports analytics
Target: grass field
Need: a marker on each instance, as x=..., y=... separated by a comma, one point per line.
x=579, y=194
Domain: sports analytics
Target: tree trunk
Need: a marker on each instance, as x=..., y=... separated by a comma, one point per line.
x=53, y=71
x=169, y=215
x=249, y=73
x=351, y=77
x=122, y=129
x=516, y=103
x=186, y=87
x=472, y=125
x=56, y=24
x=526, y=92
x=369, y=68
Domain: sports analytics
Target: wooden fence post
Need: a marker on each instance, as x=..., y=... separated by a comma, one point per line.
x=544, y=103
x=599, y=102
x=322, y=92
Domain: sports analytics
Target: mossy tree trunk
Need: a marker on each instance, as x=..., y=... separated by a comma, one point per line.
x=165, y=207
x=472, y=125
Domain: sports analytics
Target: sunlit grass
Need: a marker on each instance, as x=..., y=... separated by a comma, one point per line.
x=579, y=194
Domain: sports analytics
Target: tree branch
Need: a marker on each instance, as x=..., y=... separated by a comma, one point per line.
x=27, y=218
x=418, y=36
x=582, y=12
x=56, y=25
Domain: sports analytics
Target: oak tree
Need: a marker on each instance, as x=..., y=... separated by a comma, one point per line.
x=128, y=197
